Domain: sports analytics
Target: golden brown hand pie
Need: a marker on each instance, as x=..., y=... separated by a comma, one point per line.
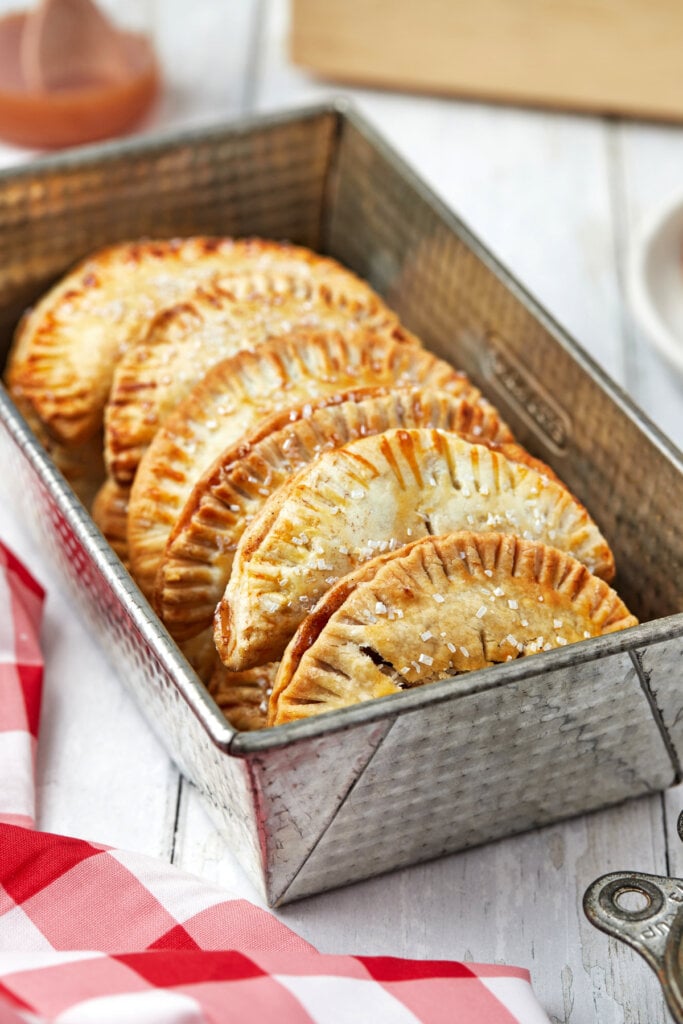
x=220, y=318
x=196, y=564
x=66, y=348
x=81, y=465
x=237, y=393
x=373, y=495
x=442, y=605
x=243, y=696
x=110, y=513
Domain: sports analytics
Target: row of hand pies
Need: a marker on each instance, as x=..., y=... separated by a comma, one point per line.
x=264, y=445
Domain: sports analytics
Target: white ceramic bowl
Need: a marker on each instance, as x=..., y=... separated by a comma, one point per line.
x=656, y=280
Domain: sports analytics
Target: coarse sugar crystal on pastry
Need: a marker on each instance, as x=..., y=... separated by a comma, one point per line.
x=65, y=349
x=376, y=494
x=198, y=557
x=221, y=317
x=438, y=607
x=238, y=392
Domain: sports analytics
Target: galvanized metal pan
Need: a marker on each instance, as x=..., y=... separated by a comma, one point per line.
x=654, y=928
x=320, y=803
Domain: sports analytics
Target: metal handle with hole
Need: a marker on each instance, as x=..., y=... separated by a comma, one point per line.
x=654, y=928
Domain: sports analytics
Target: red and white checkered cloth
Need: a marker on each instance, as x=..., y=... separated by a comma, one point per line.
x=21, y=680
x=90, y=935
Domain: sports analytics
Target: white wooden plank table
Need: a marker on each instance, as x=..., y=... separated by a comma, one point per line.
x=558, y=198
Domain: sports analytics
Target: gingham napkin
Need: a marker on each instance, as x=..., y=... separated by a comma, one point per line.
x=21, y=679
x=90, y=935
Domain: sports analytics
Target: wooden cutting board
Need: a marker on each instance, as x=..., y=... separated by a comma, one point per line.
x=610, y=56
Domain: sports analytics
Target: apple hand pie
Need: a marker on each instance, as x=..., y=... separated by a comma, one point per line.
x=238, y=392
x=81, y=465
x=66, y=348
x=198, y=558
x=441, y=606
x=221, y=317
x=373, y=495
x=243, y=696
x=110, y=513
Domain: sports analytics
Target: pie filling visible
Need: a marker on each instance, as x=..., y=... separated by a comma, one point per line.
x=434, y=609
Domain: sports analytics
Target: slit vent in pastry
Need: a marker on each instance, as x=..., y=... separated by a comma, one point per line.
x=221, y=317
x=240, y=391
x=441, y=606
x=66, y=348
x=373, y=495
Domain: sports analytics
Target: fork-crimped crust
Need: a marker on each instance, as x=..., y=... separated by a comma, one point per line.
x=66, y=348
x=441, y=606
x=196, y=565
x=375, y=494
x=241, y=390
x=221, y=317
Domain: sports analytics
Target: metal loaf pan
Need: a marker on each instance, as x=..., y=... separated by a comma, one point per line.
x=320, y=803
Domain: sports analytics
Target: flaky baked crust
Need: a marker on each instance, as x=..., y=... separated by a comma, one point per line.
x=198, y=557
x=239, y=391
x=221, y=317
x=373, y=495
x=441, y=606
x=110, y=513
x=66, y=348
x=243, y=696
x=81, y=465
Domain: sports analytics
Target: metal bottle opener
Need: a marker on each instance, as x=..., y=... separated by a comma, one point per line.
x=655, y=929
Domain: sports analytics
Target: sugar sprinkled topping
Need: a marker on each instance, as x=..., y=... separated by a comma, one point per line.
x=380, y=608
x=425, y=636
x=451, y=647
x=425, y=659
x=465, y=653
x=498, y=591
x=439, y=598
x=488, y=572
x=481, y=612
x=514, y=605
x=557, y=623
